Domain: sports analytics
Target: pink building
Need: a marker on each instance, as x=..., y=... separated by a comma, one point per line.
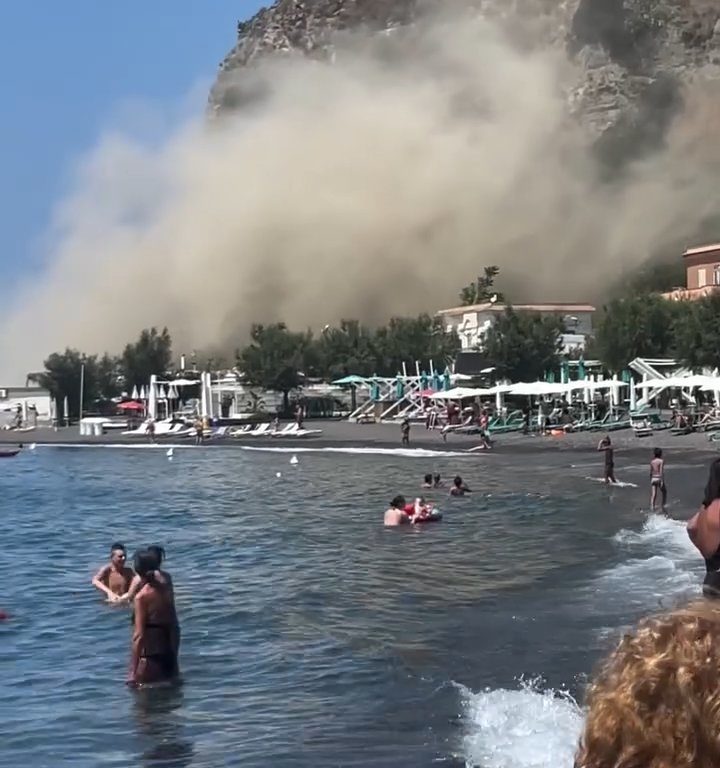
x=702, y=266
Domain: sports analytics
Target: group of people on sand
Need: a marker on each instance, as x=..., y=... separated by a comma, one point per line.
x=401, y=512
x=155, y=642
x=655, y=701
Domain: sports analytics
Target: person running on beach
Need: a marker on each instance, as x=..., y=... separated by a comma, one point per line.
x=605, y=445
x=396, y=514
x=405, y=430
x=115, y=578
x=704, y=532
x=458, y=487
x=657, y=479
x=155, y=640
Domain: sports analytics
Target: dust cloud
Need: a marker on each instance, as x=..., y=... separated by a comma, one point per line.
x=374, y=185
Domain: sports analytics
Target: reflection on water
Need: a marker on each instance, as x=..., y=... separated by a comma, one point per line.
x=311, y=635
x=162, y=734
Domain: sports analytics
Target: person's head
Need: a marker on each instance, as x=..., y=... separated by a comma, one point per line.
x=436, y=479
x=145, y=563
x=118, y=554
x=656, y=700
x=457, y=481
x=159, y=553
x=428, y=479
x=607, y=440
x=657, y=453
x=712, y=489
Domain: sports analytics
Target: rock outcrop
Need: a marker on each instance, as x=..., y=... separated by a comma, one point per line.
x=635, y=56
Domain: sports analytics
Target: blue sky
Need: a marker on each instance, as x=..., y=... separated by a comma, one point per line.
x=71, y=69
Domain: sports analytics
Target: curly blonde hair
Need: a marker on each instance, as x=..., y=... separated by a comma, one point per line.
x=655, y=702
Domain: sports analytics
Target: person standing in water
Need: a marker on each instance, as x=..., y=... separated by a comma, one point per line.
x=704, y=531
x=657, y=479
x=155, y=640
x=605, y=445
x=161, y=575
x=458, y=487
x=405, y=430
x=114, y=579
x=396, y=514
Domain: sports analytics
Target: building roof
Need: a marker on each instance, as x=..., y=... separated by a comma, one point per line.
x=497, y=307
x=701, y=249
x=689, y=294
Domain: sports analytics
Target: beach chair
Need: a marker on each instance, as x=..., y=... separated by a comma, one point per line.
x=261, y=429
x=286, y=431
x=641, y=428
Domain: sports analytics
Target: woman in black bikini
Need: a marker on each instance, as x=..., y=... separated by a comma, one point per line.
x=156, y=633
x=704, y=532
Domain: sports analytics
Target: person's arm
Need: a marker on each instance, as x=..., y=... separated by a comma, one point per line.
x=137, y=641
x=98, y=582
x=134, y=588
x=693, y=528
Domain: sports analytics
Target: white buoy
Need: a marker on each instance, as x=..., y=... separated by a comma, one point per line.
x=294, y=460
x=32, y=447
x=169, y=454
x=278, y=474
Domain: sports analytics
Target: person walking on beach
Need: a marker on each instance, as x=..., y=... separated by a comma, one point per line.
x=155, y=640
x=657, y=480
x=405, y=430
x=115, y=578
x=150, y=430
x=199, y=431
x=605, y=445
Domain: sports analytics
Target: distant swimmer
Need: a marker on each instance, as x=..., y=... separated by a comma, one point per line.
x=458, y=487
x=396, y=514
x=427, y=482
x=605, y=446
x=155, y=640
x=437, y=481
x=115, y=578
x=657, y=480
x=405, y=431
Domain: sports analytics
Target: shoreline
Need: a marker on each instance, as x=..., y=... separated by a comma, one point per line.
x=345, y=435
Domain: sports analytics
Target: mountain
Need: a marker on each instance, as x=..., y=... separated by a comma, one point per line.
x=634, y=56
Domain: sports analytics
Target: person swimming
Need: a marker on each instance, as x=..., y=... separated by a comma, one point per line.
x=115, y=578
x=437, y=481
x=458, y=487
x=657, y=479
x=396, y=514
x=427, y=481
x=704, y=532
x=155, y=640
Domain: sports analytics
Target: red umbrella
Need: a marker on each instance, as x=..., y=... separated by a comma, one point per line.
x=131, y=405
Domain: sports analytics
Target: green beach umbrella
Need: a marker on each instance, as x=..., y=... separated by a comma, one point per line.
x=446, y=380
x=436, y=383
x=399, y=387
x=581, y=369
x=347, y=380
x=375, y=391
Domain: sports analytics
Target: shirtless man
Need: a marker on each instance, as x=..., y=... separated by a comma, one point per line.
x=114, y=579
x=605, y=446
x=396, y=514
x=657, y=479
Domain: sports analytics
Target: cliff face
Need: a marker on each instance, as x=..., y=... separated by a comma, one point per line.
x=634, y=55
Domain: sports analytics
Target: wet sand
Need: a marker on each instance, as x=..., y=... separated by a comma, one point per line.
x=343, y=434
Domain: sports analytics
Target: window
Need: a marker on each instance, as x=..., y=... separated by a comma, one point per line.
x=702, y=278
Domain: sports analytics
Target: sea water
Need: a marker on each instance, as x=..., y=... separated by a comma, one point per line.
x=311, y=635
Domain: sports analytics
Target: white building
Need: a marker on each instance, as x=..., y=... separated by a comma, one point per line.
x=471, y=322
x=33, y=404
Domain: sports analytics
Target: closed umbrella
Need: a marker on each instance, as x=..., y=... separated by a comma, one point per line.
x=633, y=395
x=135, y=394
x=66, y=414
x=446, y=379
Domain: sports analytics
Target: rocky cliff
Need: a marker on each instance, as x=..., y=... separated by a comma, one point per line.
x=634, y=56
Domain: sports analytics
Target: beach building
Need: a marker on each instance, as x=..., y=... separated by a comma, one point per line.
x=33, y=404
x=472, y=322
x=702, y=270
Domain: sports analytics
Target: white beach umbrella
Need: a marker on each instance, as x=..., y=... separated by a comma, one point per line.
x=143, y=393
x=152, y=398
x=135, y=395
x=65, y=410
x=633, y=395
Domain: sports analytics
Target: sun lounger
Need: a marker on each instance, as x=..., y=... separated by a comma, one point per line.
x=261, y=429
x=641, y=428
x=287, y=430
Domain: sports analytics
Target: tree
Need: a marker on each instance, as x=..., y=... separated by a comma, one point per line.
x=410, y=339
x=349, y=349
x=697, y=332
x=275, y=358
x=64, y=371
x=524, y=345
x=150, y=354
x=642, y=326
x=482, y=290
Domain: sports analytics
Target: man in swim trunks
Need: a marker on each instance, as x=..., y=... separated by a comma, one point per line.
x=609, y=471
x=114, y=579
x=458, y=487
x=657, y=479
x=396, y=514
